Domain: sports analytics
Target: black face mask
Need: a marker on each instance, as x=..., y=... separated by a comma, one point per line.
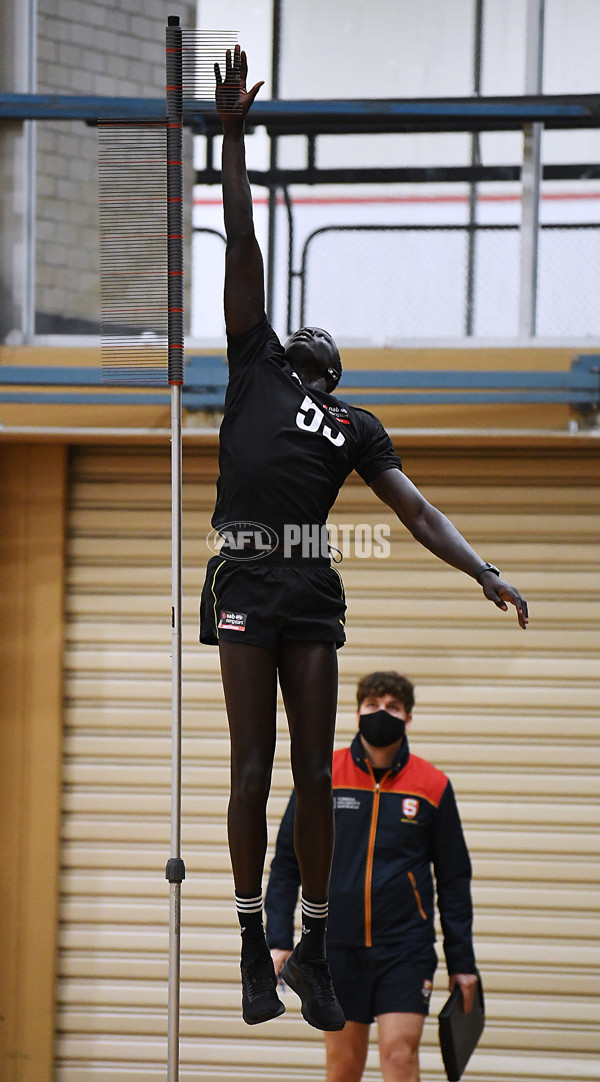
x=381, y=728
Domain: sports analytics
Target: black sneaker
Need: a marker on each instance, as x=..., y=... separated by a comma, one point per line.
x=311, y=980
x=259, y=992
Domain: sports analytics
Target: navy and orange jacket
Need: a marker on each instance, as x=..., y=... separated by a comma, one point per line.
x=391, y=838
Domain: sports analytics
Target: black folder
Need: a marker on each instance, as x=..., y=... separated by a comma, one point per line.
x=459, y=1032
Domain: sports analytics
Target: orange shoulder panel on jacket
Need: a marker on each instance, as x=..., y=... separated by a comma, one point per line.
x=346, y=774
x=420, y=778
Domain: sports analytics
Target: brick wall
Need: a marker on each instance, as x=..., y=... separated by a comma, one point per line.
x=113, y=47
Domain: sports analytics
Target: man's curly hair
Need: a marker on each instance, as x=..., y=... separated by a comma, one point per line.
x=377, y=684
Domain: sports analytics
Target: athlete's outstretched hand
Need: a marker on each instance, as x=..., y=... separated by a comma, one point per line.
x=232, y=99
x=502, y=593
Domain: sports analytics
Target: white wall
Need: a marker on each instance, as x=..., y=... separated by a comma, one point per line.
x=415, y=48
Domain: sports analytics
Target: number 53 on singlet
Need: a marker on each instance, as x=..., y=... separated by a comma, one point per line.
x=311, y=419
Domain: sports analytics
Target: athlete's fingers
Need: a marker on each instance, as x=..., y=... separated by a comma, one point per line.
x=237, y=60
x=514, y=597
x=503, y=594
x=522, y=611
x=252, y=93
x=218, y=75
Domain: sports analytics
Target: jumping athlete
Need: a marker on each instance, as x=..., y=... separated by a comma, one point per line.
x=274, y=605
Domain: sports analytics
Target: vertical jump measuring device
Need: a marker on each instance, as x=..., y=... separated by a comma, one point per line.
x=175, y=872
x=142, y=338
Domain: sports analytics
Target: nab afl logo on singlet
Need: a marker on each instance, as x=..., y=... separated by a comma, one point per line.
x=339, y=412
x=410, y=807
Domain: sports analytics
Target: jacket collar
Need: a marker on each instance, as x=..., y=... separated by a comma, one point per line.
x=358, y=755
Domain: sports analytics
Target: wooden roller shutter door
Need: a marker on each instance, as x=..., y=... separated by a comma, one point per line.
x=512, y=716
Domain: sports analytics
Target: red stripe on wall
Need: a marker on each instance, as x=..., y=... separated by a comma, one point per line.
x=351, y=200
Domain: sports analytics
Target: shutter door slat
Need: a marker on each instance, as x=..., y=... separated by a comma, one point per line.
x=511, y=716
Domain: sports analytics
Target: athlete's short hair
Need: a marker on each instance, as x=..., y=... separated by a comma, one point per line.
x=377, y=684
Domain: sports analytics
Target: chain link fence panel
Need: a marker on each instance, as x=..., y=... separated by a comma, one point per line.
x=383, y=283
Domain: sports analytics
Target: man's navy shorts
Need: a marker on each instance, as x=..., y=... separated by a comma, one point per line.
x=370, y=981
x=264, y=601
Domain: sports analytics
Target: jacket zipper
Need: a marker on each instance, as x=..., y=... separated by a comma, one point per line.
x=370, y=852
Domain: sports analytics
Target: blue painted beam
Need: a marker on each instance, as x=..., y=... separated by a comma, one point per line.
x=206, y=381
x=478, y=398
x=70, y=398
x=212, y=371
x=207, y=370
x=193, y=400
x=455, y=113
x=201, y=375
x=79, y=107
x=497, y=380
x=332, y=115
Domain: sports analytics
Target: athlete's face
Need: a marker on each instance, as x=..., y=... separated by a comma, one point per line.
x=311, y=351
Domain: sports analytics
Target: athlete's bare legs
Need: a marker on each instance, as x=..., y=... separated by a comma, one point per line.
x=250, y=684
x=308, y=677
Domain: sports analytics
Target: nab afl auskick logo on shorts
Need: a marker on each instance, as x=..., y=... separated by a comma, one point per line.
x=233, y=621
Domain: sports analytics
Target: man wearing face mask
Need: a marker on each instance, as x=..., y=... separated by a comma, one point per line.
x=397, y=827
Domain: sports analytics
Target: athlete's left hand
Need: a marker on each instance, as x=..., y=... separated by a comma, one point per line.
x=232, y=99
x=502, y=593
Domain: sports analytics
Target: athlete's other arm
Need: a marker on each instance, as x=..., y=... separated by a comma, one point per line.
x=244, y=276
x=431, y=527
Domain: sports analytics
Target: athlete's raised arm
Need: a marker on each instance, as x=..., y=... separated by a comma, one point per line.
x=244, y=276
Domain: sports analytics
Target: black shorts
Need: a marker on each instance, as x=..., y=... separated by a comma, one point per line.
x=370, y=981
x=261, y=602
